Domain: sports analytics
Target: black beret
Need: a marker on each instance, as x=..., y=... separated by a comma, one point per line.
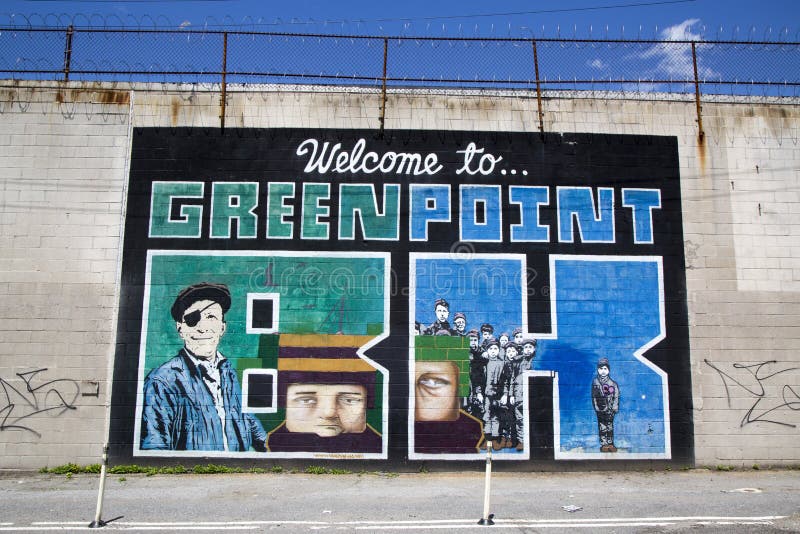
x=218, y=293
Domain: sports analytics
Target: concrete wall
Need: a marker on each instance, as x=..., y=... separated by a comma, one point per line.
x=64, y=167
x=63, y=176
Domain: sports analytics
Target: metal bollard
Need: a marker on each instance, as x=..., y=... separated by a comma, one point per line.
x=98, y=523
x=487, y=518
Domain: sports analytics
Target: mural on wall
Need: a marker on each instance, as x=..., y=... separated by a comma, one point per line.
x=424, y=295
x=497, y=355
x=291, y=328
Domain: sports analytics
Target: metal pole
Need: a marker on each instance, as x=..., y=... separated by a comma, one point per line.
x=68, y=53
x=538, y=88
x=383, y=92
x=697, y=92
x=224, y=83
x=97, y=523
x=487, y=518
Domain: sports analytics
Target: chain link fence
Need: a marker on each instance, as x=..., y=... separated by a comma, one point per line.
x=745, y=68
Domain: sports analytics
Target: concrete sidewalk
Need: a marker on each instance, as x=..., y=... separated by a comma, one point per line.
x=693, y=500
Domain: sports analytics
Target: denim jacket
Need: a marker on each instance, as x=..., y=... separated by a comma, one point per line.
x=179, y=412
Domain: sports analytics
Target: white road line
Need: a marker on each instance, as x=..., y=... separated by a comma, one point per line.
x=517, y=525
x=624, y=519
x=570, y=520
x=187, y=527
x=188, y=523
x=475, y=525
x=85, y=526
x=434, y=524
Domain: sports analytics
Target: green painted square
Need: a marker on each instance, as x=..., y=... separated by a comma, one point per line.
x=447, y=342
x=425, y=341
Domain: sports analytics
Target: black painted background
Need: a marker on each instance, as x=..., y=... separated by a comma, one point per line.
x=265, y=155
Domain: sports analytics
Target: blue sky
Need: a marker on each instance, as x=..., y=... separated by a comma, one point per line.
x=656, y=18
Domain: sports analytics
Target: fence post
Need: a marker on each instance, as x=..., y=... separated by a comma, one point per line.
x=223, y=96
x=383, y=91
x=697, y=93
x=538, y=88
x=68, y=52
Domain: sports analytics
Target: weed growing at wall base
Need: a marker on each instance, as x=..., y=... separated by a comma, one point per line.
x=71, y=469
x=199, y=469
x=319, y=470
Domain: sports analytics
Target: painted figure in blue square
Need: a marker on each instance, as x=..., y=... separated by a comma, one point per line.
x=605, y=401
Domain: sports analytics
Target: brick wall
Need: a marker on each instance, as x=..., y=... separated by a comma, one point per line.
x=62, y=171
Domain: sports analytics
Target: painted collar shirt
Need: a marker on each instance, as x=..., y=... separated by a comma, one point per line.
x=209, y=370
x=187, y=406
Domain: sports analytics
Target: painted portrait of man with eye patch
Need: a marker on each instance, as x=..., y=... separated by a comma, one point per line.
x=193, y=401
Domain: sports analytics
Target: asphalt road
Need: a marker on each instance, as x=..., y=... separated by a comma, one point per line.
x=684, y=501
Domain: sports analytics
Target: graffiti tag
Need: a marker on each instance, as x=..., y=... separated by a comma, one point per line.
x=53, y=396
x=763, y=409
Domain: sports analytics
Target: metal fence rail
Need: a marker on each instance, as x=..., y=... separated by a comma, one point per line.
x=265, y=57
x=746, y=68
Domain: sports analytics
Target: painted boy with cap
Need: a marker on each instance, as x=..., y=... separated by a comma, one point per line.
x=460, y=324
x=477, y=374
x=487, y=334
x=605, y=400
x=442, y=310
x=193, y=401
x=326, y=390
x=512, y=420
x=495, y=393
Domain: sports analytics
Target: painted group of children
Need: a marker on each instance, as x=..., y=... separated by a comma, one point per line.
x=497, y=384
x=496, y=375
x=497, y=381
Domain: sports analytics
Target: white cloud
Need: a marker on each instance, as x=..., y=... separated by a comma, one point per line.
x=681, y=32
x=597, y=64
x=675, y=60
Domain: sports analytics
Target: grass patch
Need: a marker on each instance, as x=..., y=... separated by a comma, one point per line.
x=133, y=470
x=320, y=470
x=71, y=469
x=215, y=469
x=725, y=468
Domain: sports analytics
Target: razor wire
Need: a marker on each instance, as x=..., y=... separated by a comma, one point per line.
x=209, y=56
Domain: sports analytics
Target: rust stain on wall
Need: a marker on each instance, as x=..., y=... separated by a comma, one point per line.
x=122, y=98
x=175, y=107
x=119, y=98
x=701, y=152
